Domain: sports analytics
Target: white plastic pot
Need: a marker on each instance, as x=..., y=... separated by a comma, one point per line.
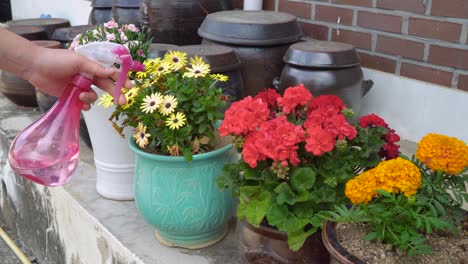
x=115, y=162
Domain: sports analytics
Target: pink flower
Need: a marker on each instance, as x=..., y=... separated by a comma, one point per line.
x=140, y=53
x=131, y=27
x=111, y=24
x=110, y=37
x=123, y=37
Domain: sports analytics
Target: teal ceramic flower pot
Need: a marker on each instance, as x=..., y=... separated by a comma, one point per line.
x=181, y=199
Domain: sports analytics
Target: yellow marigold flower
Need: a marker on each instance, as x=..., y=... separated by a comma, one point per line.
x=140, y=135
x=106, y=100
x=440, y=152
x=219, y=77
x=176, y=59
x=198, y=68
x=151, y=103
x=168, y=105
x=176, y=121
x=361, y=189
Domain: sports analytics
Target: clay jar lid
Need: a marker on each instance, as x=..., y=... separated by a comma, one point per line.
x=50, y=44
x=220, y=58
x=157, y=50
x=49, y=24
x=321, y=54
x=127, y=3
x=28, y=32
x=254, y=28
x=67, y=34
x=101, y=3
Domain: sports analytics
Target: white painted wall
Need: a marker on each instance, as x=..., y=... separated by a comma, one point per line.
x=77, y=11
x=414, y=108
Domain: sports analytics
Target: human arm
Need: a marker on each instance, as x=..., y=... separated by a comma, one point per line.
x=51, y=70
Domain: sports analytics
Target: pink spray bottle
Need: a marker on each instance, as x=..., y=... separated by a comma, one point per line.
x=47, y=151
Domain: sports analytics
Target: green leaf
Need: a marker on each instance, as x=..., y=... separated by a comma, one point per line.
x=384, y=193
x=296, y=239
x=303, y=196
x=250, y=173
x=257, y=208
x=371, y=236
x=248, y=191
x=277, y=216
x=285, y=194
x=187, y=154
x=303, y=178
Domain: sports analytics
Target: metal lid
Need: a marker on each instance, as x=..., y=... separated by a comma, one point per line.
x=67, y=34
x=256, y=28
x=127, y=3
x=321, y=54
x=220, y=58
x=157, y=50
x=102, y=3
x=51, y=44
x=28, y=32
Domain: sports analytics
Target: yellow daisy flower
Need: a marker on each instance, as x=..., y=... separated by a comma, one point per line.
x=151, y=102
x=132, y=93
x=176, y=121
x=219, y=77
x=176, y=59
x=168, y=105
x=140, y=135
x=198, y=68
x=129, y=103
x=162, y=68
x=106, y=100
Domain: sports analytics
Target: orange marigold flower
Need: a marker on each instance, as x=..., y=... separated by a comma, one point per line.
x=394, y=176
x=440, y=152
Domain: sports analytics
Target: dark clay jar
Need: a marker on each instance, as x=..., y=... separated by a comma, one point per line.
x=127, y=12
x=325, y=67
x=263, y=244
x=259, y=38
x=222, y=60
x=66, y=35
x=157, y=50
x=48, y=24
x=101, y=12
x=177, y=21
x=28, y=32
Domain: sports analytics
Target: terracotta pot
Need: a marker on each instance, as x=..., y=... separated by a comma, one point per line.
x=49, y=24
x=267, y=245
x=259, y=38
x=177, y=21
x=325, y=67
x=338, y=255
x=222, y=60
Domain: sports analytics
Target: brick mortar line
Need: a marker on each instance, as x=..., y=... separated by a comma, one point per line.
x=313, y=11
x=388, y=11
x=428, y=7
x=355, y=17
x=374, y=42
x=419, y=63
x=390, y=34
x=464, y=34
x=426, y=52
x=405, y=25
x=398, y=67
x=276, y=5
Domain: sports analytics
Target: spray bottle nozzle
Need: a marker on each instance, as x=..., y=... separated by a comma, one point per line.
x=108, y=54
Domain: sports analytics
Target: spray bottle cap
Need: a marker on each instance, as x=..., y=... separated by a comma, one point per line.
x=108, y=54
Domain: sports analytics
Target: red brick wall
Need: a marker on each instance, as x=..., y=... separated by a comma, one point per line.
x=421, y=39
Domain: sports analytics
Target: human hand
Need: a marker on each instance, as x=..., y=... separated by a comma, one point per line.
x=51, y=71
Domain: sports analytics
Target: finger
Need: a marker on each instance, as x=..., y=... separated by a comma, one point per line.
x=88, y=98
x=93, y=68
x=109, y=86
x=86, y=107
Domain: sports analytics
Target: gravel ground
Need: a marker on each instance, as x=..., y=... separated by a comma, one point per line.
x=7, y=256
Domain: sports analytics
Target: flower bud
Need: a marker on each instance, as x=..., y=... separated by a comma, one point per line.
x=347, y=112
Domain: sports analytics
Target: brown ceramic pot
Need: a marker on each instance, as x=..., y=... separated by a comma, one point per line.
x=325, y=67
x=127, y=12
x=222, y=60
x=259, y=38
x=267, y=245
x=49, y=24
x=338, y=255
x=177, y=21
x=28, y=32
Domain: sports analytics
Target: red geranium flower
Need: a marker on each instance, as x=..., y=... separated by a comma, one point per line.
x=318, y=141
x=268, y=96
x=294, y=97
x=372, y=120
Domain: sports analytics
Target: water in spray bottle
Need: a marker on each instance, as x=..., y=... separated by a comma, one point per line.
x=47, y=151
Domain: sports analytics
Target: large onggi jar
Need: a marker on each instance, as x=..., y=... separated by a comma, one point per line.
x=259, y=38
